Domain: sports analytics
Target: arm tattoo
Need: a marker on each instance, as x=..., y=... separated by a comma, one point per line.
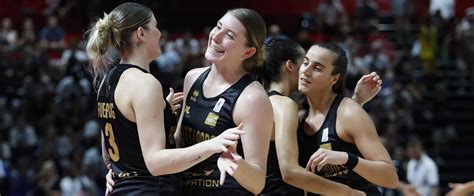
x=196, y=159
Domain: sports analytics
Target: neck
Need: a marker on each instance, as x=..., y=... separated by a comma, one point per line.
x=320, y=101
x=136, y=60
x=225, y=74
x=282, y=87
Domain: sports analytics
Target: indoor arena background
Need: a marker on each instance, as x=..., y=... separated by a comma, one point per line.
x=422, y=49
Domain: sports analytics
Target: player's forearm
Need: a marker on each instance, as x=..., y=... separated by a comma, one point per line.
x=169, y=161
x=377, y=172
x=251, y=176
x=303, y=179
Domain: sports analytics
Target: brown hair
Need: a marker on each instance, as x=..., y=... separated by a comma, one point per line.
x=256, y=31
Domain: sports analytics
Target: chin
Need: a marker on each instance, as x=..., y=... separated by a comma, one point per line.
x=210, y=57
x=302, y=90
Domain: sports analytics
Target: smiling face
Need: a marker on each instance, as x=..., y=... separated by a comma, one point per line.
x=315, y=74
x=227, y=41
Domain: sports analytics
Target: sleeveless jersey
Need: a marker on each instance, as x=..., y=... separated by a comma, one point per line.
x=121, y=136
x=205, y=118
x=274, y=184
x=326, y=137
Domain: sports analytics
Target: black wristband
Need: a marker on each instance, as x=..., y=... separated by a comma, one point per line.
x=352, y=161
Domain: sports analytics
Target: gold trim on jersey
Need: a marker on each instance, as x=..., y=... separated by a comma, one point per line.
x=123, y=175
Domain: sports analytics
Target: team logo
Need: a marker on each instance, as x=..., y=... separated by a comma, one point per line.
x=186, y=109
x=218, y=105
x=194, y=95
x=326, y=146
x=325, y=136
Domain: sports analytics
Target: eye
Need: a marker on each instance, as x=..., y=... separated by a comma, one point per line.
x=230, y=36
x=305, y=63
x=316, y=67
x=218, y=27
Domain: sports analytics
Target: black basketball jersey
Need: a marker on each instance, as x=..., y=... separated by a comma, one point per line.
x=120, y=134
x=205, y=118
x=274, y=184
x=326, y=137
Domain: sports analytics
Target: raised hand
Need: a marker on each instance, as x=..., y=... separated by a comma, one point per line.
x=367, y=87
x=175, y=100
x=323, y=157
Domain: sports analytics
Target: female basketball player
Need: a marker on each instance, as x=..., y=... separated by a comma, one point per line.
x=336, y=138
x=131, y=106
x=283, y=59
x=223, y=96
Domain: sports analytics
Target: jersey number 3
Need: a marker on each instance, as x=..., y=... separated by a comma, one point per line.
x=113, y=149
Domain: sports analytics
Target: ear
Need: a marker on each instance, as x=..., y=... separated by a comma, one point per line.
x=335, y=78
x=250, y=52
x=290, y=66
x=141, y=34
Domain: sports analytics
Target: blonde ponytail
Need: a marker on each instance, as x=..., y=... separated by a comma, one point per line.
x=113, y=31
x=103, y=36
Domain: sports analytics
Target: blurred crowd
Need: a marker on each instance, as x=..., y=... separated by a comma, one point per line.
x=50, y=140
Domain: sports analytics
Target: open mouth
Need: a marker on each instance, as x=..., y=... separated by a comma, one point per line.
x=304, y=81
x=216, y=49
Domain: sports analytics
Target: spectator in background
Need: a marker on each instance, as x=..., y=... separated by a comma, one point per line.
x=329, y=11
x=303, y=39
x=274, y=31
x=47, y=180
x=3, y=174
x=376, y=60
x=52, y=35
x=402, y=12
x=20, y=176
x=75, y=182
x=73, y=57
x=465, y=47
x=446, y=7
x=8, y=35
x=23, y=138
x=28, y=33
x=422, y=172
x=428, y=39
x=367, y=18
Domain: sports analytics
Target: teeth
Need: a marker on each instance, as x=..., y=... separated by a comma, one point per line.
x=216, y=48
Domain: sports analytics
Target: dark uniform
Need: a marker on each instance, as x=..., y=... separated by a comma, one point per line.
x=326, y=137
x=123, y=145
x=205, y=118
x=274, y=184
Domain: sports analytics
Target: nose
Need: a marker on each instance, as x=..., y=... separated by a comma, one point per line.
x=217, y=36
x=305, y=70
